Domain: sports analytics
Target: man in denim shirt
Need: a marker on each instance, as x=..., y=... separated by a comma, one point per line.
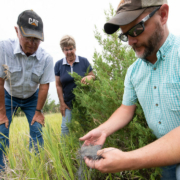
x=25, y=73
x=154, y=80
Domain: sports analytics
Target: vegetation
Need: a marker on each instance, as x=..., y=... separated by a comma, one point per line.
x=55, y=161
x=94, y=103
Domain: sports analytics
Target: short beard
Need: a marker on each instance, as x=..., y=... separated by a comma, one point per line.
x=152, y=44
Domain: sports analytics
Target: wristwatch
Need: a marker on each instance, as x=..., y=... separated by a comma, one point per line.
x=40, y=110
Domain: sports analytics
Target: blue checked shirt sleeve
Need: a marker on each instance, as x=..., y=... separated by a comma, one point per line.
x=129, y=97
x=48, y=74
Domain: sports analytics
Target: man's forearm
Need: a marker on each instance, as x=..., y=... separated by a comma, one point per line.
x=42, y=95
x=163, y=152
x=120, y=118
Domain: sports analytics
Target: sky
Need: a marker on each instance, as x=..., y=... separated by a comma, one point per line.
x=77, y=18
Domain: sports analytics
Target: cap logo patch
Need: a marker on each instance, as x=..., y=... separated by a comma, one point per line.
x=33, y=22
x=123, y=2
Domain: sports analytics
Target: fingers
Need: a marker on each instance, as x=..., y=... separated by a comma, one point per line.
x=100, y=152
x=90, y=163
x=104, y=151
x=68, y=108
x=7, y=124
x=41, y=122
x=82, y=80
x=32, y=122
x=63, y=112
x=85, y=137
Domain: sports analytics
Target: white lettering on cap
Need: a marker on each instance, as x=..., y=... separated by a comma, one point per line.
x=33, y=22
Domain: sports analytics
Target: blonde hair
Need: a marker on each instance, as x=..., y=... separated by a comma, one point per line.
x=67, y=41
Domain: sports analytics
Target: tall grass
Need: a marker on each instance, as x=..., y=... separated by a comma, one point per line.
x=57, y=160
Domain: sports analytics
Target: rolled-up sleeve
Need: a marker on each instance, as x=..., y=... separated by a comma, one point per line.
x=129, y=97
x=48, y=73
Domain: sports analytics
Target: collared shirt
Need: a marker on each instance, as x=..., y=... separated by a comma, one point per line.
x=24, y=73
x=157, y=87
x=81, y=66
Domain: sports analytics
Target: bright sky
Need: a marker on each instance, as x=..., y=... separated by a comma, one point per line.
x=73, y=17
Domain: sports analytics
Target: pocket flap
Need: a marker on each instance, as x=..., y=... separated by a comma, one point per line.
x=13, y=69
x=37, y=72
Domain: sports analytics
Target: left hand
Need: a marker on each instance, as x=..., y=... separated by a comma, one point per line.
x=84, y=79
x=113, y=161
x=38, y=117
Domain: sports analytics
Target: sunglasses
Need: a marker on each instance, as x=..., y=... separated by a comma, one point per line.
x=137, y=29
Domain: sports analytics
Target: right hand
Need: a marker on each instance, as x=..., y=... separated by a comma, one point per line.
x=63, y=107
x=94, y=137
x=4, y=120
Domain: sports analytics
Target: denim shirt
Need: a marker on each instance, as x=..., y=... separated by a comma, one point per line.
x=157, y=87
x=25, y=73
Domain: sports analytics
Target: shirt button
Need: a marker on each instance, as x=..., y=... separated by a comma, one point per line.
x=164, y=56
x=159, y=122
x=156, y=104
x=154, y=87
x=154, y=68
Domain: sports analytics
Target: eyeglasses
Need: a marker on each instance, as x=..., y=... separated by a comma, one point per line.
x=137, y=29
x=32, y=39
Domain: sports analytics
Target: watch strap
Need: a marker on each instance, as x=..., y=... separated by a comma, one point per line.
x=40, y=110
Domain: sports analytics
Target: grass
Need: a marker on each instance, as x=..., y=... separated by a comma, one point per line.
x=19, y=129
x=54, y=161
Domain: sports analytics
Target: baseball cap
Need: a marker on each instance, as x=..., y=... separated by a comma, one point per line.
x=30, y=24
x=128, y=11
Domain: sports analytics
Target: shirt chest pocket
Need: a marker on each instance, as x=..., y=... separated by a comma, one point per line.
x=172, y=96
x=15, y=74
x=36, y=74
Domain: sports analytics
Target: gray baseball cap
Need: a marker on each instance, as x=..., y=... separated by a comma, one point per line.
x=30, y=24
x=128, y=11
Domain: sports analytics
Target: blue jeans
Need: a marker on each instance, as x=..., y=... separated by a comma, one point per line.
x=178, y=172
x=28, y=106
x=66, y=119
x=169, y=173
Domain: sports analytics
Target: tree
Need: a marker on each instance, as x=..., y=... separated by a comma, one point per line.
x=95, y=102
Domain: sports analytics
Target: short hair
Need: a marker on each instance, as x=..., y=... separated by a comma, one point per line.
x=151, y=9
x=67, y=41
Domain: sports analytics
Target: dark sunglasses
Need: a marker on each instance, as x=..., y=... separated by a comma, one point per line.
x=137, y=29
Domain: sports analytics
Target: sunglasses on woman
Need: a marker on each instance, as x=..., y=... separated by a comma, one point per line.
x=137, y=29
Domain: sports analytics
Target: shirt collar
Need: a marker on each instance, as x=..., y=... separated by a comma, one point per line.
x=66, y=63
x=18, y=50
x=161, y=54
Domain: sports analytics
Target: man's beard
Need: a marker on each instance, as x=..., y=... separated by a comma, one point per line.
x=152, y=44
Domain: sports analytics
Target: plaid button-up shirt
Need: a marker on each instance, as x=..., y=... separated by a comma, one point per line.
x=157, y=87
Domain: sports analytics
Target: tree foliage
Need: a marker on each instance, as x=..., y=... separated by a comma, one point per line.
x=95, y=102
